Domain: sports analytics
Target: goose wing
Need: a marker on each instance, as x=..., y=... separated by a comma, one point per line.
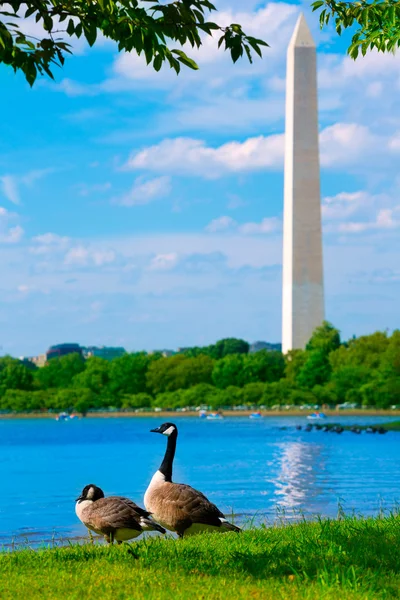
x=191, y=506
x=115, y=512
x=140, y=511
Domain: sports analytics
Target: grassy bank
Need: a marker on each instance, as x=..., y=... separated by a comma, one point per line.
x=331, y=559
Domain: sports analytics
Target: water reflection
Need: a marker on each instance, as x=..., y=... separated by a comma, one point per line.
x=299, y=466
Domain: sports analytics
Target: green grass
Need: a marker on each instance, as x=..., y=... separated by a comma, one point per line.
x=344, y=559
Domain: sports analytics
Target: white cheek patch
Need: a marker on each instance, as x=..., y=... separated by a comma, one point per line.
x=169, y=430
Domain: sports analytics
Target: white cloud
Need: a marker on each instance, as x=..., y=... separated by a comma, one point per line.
x=23, y=288
x=103, y=257
x=190, y=156
x=9, y=234
x=84, y=256
x=346, y=143
x=221, y=224
x=357, y=212
x=78, y=255
x=144, y=192
x=49, y=239
x=344, y=204
x=164, y=262
x=10, y=183
x=9, y=188
x=12, y=235
x=49, y=243
x=385, y=219
x=265, y=226
x=342, y=144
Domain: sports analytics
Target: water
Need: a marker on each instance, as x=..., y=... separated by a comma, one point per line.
x=250, y=467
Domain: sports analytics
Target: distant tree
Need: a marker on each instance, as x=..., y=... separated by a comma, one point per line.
x=294, y=361
x=277, y=393
x=325, y=338
x=59, y=372
x=349, y=377
x=178, y=372
x=127, y=374
x=252, y=393
x=366, y=351
x=229, y=346
x=263, y=366
x=134, y=401
x=14, y=375
x=21, y=401
x=95, y=377
x=316, y=369
x=134, y=25
x=228, y=371
x=199, y=394
x=389, y=366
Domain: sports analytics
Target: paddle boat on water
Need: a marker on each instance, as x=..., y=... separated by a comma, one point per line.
x=214, y=417
x=255, y=415
x=63, y=416
x=316, y=416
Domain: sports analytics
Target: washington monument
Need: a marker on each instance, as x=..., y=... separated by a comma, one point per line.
x=303, y=289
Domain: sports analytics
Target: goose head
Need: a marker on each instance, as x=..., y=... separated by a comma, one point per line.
x=166, y=429
x=90, y=492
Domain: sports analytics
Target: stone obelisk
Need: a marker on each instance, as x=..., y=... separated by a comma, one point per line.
x=303, y=289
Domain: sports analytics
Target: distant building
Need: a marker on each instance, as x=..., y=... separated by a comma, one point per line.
x=62, y=350
x=257, y=346
x=164, y=353
x=39, y=360
x=105, y=352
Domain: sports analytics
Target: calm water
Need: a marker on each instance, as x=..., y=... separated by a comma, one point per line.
x=251, y=467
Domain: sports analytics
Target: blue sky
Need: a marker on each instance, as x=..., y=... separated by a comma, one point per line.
x=145, y=210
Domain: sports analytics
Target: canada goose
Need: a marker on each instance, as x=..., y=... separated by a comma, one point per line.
x=177, y=506
x=115, y=517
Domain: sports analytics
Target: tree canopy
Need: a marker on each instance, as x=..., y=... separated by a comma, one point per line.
x=149, y=27
x=364, y=370
x=375, y=25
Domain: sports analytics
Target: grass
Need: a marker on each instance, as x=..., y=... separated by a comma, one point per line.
x=343, y=559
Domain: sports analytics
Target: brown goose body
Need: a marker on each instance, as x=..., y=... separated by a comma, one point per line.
x=179, y=507
x=116, y=518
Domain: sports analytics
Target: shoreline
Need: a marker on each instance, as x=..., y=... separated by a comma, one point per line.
x=194, y=414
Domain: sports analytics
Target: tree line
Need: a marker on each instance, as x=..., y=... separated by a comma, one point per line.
x=363, y=370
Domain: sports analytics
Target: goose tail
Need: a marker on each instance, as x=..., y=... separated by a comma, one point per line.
x=149, y=525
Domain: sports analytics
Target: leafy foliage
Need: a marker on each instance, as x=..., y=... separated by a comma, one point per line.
x=364, y=370
x=147, y=27
x=376, y=24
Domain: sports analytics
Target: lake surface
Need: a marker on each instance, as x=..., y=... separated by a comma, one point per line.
x=253, y=468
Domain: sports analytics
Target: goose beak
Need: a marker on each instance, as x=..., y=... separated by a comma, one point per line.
x=156, y=430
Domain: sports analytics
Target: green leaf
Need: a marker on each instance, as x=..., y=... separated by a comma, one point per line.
x=157, y=63
x=184, y=59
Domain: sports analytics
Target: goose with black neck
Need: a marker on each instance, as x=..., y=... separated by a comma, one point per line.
x=179, y=507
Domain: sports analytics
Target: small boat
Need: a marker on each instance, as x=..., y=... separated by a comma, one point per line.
x=317, y=415
x=66, y=417
x=202, y=414
x=63, y=417
x=255, y=415
x=214, y=417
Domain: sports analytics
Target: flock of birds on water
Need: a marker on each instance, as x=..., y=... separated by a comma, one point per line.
x=175, y=507
x=339, y=429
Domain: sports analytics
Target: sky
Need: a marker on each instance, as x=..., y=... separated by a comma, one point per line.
x=144, y=209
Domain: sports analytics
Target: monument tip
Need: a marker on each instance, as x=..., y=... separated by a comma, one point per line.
x=302, y=35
